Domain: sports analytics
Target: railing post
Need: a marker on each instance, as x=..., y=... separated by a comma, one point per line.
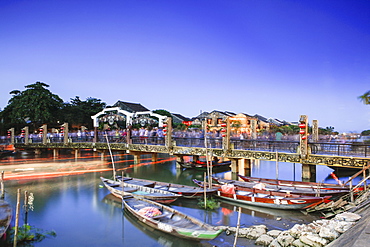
x=65, y=125
x=303, y=140
x=315, y=130
x=168, y=132
x=11, y=135
x=44, y=133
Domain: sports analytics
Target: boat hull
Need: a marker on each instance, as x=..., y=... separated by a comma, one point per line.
x=169, y=223
x=294, y=204
x=120, y=189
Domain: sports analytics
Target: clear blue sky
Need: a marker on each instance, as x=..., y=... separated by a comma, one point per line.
x=279, y=59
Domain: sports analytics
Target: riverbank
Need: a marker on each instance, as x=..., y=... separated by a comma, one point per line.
x=359, y=234
x=348, y=228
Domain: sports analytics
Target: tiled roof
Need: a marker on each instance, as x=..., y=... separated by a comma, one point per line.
x=130, y=107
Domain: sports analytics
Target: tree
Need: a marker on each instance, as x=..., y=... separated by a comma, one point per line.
x=365, y=98
x=35, y=105
x=163, y=112
x=79, y=112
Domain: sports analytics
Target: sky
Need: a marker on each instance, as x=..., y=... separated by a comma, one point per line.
x=279, y=59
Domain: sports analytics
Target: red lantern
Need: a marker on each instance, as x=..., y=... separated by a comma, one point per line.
x=304, y=137
x=302, y=125
x=302, y=132
x=164, y=130
x=223, y=130
x=223, y=135
x=164, y=125
x=223, y=125
x=165, y=134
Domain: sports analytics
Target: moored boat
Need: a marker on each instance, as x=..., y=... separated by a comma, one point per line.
x=323, y=186
x=120, y=189
x=263, y=198
x=298, y=190
x=169, y=220
x=5, y=216
x=184, y=190
x=203, y=165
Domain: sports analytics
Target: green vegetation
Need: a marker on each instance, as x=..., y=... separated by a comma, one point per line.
x=209, y=204
x=365, y=133
x=79, y=112
x=365, y=98
x=27, y=236
x=37, y=105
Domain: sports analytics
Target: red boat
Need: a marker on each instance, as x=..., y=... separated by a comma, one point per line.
x=297, y=184
x=263, y=198
x=297, y=190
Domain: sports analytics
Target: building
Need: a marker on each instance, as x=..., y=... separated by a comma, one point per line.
x=124, y=114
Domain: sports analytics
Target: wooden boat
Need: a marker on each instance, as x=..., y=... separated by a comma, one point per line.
x=199, y=165
x=5, y=216
x=120, y=189
x=169, y=220
x=263, y=198
x=184, y=190
x=325, y=186
x=298, y=190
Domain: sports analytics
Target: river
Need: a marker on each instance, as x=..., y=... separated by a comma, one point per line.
x=69, y=199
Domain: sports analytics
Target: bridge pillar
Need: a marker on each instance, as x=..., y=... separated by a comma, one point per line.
x=154, y=157
x=55, y=152
x=195, y=158
x=179, y=158
x=102, y=154
x=246, y=166
x=234, y=165
x=136, y=158
x=77, y=153
x=308, y=172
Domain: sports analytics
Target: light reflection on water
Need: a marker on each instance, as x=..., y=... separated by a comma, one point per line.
x=84, y=214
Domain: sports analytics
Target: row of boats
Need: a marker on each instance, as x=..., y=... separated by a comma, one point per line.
x=145, y=199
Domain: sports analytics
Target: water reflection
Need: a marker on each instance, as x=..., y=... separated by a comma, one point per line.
x=71, y=202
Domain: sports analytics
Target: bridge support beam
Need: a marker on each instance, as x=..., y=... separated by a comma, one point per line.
x=246, y=166
x=136, y=158
x=77, y=153
x=55, y=152
x=234, y=165
x=308, y=172
x=154, y=157
x=179, y=158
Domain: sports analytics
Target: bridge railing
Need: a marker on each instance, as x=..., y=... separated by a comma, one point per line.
x=324, y=148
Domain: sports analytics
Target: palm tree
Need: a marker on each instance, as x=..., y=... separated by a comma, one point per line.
x=365, y=98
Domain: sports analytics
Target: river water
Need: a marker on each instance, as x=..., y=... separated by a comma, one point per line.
x=69, y=199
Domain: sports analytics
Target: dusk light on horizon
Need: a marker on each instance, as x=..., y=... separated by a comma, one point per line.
x=278, y=59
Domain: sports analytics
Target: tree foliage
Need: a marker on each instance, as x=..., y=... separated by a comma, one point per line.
x=163, y=112
x=365, y=133
x=79, y=112
x=365, y=98
x=36, y=105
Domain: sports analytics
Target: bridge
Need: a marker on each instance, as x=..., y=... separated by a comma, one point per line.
x=240, y=151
